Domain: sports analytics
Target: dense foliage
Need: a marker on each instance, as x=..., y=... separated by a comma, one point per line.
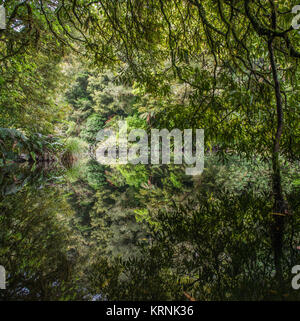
x=72, y=228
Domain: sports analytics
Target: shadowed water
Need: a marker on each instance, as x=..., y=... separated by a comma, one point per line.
x=143, y=233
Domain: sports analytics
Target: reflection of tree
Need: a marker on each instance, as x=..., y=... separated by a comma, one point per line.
x=210, y=238
x=211, y=246
x=38, y=249
x=223, y=247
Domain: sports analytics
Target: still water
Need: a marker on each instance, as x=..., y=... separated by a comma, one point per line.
x=144, y=233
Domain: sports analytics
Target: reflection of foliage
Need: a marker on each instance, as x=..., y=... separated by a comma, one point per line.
x=115, y=228
x=212, y=241
x=95, y=173
x=134, y=175
x=213, y=248
x=37, y=246
x=144, y=278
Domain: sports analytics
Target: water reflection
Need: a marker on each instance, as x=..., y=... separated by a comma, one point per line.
x=142, y=233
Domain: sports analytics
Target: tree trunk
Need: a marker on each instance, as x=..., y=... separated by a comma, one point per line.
x=279, y=207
